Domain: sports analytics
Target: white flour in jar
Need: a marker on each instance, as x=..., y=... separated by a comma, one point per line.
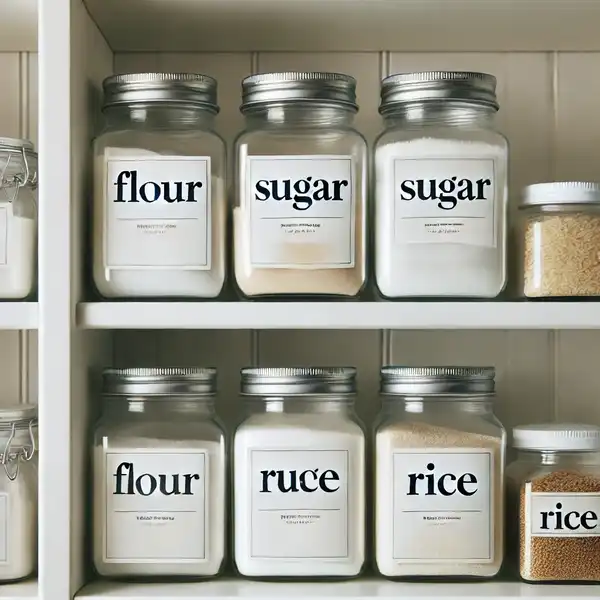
x=141, y=534
x=157, y=280
x=18, y=254
x=424, y=250
x=279, y=534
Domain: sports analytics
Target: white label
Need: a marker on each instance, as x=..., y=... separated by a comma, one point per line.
x=445, y=201
x=155, y=507
x=563, y=515
x=299, y=504
x=443, y=506
x=301, y=212
x=158, y=212
x=4, y=528
x=4, y=234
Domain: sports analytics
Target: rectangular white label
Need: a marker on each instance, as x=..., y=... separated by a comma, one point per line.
x=4, y=500
x=563, y=514
x=445, y=201
x=299, y=503
x=443, y=505
x=302, y=211
x=158, y=212
x=155, y=507
x=4, y=211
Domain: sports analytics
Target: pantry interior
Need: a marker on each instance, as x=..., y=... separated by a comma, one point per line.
x=546, y=57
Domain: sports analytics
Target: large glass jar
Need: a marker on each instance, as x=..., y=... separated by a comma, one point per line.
x=301, y=212
x=299, y=475
x=159, y=472
x=441, y=187
x=18, y=218
x=439, y=465
x=561, y=239
x=18, y=492
x=159, y=214
x=554, y=503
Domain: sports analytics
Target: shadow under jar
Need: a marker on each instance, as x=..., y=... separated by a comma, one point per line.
x=159, y=210
x=439, y=467
x=18, y=219
x=554, y=503
x=299, y=475
x=300, y=212
x=159, y=493
x=560, y=225
x=18, y=492
x=441, y=187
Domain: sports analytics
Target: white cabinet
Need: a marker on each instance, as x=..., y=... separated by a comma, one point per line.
x=546, y=55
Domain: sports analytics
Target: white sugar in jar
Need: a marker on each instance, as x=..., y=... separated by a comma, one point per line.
x=441, y=188
x=159, y=209
x=299, y=475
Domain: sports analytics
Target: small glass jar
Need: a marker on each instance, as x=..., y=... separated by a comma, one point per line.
x=561, y=239
x=441, y=187
x=18, y=492
x=159, y=469
x=554, y=501
x=18, y=219
x=300, y=213
x=299, y=475
x=439, y=465
x=159, y=210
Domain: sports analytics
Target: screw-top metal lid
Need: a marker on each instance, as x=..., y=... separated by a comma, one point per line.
x=426, y=381
x=561, y=192
x=557, y=436
x=298, y=381
x=458, y=86
x=19, y=414
x=275, y=88
x=160, y=381
x=177, y=88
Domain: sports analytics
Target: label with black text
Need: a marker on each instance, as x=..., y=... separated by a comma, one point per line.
x=563, y=514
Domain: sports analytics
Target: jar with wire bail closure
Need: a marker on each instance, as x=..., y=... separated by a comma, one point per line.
x=159, y=210
x=159, y=492
x=300, y=201
x=299, y=475
x=439, y=466
x=18, y=219
x=441, y=187
x=18, y=492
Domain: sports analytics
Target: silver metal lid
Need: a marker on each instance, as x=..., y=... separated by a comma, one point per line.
x=298, y=381
x=458, y=86
x=178, y=88
x=275, y=88
x=19, y=414
x=437, y=380
x=160, y=381
x=561, y=192
x=557, y=436
x=18, y=163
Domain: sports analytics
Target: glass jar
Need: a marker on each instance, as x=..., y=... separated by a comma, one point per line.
x=300, y=214
x=159, y=468
x=18, y=219
x=441, y=187
x=159, y=209
x=18, y=492
x=561, y=239
x=554, y=501
x=439, y=465
x=299, y=475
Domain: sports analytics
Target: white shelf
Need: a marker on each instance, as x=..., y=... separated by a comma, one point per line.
x=21, y=589
x=412, y=25
x=18, y=26
x=360, y=589
x=18, y=315
x=339, y=315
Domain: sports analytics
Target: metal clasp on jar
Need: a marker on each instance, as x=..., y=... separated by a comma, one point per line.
x=11, y=458
x=20, y=180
